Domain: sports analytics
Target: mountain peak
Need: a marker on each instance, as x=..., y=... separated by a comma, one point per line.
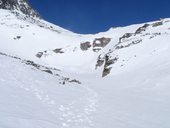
x=19, y=5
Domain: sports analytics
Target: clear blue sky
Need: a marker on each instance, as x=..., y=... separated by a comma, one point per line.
x=92, y=16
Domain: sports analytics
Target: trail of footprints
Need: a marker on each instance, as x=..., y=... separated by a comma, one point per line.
x=80, y=117
x=76, y=114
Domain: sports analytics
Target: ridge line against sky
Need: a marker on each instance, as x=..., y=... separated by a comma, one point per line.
x=93, y=16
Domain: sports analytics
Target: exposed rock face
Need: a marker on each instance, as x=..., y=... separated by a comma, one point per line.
x=106, y=71
x=157, y=24
x=141, y=29
x=48, y=71
x=108, y=62
x=39, y=55
x=100, y=43
x=97, y=44
x=130, y=44
x=100, y=62
x=85, y=46
x=58, y=50
x=20, y=5
x=126, y=35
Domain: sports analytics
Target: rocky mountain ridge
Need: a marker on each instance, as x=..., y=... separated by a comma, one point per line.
x=19, y=6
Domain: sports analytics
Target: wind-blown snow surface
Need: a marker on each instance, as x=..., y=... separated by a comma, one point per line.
x=135, y=94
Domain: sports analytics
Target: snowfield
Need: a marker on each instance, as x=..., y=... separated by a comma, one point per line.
x=134, y=61
x=31, y=98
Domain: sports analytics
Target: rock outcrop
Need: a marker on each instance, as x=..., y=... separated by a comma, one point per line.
x=39, y=54
x=141, y=29
x=108, y=63
x=19, y=5
x=156, y=24
x=85, y=46
x=100, y=43
x=96, y=45
x=58, y=50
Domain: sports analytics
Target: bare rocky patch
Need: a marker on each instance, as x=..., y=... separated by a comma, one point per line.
x=85, y=46
x=141, y=29
x=58, y=50
x=156, y=24
x=100, y=43
x=97, y=44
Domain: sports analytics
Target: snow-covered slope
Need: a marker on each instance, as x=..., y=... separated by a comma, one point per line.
x=32, y=98
x=51, y=77
x=39, y=40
